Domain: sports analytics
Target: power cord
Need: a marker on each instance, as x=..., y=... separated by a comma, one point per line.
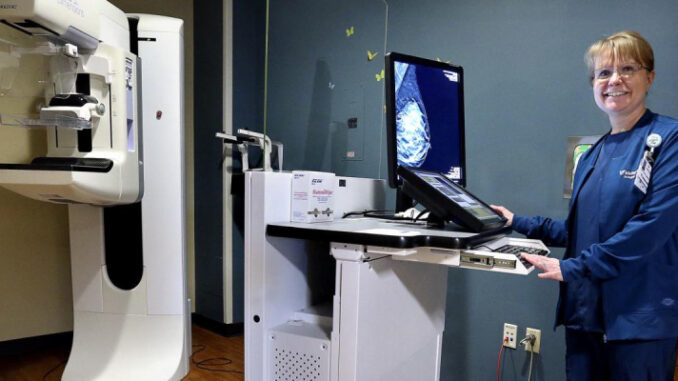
x=501, y=350
x=206, y=364
x=210, y=363
x=530, y=338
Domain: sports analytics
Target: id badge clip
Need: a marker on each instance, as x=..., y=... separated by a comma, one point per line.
x=644, y=170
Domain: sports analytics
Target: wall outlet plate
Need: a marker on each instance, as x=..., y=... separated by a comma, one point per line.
x=510, y=335
x=537, y=342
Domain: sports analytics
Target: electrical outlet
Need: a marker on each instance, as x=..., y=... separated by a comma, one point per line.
x=537, y=341
x=509, y=336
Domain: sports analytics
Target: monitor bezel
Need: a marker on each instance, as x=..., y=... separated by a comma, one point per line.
x=445, y=207
x=389, y=77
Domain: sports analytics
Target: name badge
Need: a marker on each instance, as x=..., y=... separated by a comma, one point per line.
x=643, y=174
x=644, y=170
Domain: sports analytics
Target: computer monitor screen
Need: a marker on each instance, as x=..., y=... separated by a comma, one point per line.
x=449, y=201
x=425, y=116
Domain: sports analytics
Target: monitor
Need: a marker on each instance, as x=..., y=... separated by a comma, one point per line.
x=448, y=201
x=425, y=116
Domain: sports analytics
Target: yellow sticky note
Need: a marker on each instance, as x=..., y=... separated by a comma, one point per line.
x=350, y=31
x=380, y=75
x=370, y=55
x=439, y=60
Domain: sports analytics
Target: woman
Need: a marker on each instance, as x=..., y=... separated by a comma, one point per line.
x=619, y=276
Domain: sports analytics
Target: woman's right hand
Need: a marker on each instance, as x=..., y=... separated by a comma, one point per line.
x=504, y=212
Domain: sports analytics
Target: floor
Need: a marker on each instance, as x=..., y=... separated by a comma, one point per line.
x=214, y=358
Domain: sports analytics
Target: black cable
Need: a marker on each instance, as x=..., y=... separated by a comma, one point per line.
x=212, y=362
x=364, y=212
x=202, y=364
x=349, y=214
x=380, y=214
x=388, y=217
x=54, y=368
x=420, y=214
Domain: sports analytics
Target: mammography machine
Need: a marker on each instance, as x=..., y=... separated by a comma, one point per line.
x=107, y=88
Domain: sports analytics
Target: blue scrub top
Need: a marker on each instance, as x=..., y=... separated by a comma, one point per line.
x=625, y=257
x=580, y=306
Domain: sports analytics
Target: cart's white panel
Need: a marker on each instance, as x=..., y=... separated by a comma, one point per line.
x=392, y=317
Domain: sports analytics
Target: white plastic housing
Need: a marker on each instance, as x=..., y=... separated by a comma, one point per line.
x=80, y=23
x=143, y=334
x=115, y=136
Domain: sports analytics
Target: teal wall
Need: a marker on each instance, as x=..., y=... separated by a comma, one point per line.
x=249, y=34
x=249, y=24
x=207, y=159
x=526, y=92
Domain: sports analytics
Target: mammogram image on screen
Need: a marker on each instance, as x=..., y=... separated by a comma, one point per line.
x=412, y=128
x=428, y=118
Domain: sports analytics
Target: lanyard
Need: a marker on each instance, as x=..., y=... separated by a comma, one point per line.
x=644, y=171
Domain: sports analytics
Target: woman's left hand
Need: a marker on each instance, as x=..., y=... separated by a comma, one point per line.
x=550, y=267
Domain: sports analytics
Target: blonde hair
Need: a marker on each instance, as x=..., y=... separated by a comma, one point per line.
x=623, y=45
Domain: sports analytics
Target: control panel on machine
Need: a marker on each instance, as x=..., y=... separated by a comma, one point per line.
x=448, y=201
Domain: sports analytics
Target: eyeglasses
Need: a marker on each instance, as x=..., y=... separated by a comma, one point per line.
x=624, y=71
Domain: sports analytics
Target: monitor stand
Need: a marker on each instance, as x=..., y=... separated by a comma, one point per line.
x=403, y=201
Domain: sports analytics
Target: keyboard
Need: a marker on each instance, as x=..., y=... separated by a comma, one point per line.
x=516, y=250
x=503, y=255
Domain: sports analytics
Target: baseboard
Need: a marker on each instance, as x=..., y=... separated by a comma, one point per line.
x=223, y=329
x=35, y=344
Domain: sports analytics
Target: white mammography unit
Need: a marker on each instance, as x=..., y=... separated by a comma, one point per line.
x=108, y=89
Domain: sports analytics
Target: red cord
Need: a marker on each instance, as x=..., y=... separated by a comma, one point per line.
x=499, y=360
